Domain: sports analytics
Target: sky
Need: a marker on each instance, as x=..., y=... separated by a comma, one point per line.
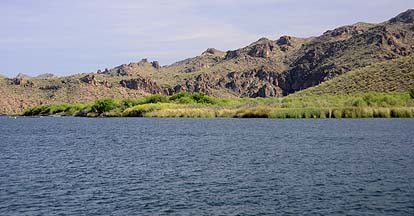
x=74, y=36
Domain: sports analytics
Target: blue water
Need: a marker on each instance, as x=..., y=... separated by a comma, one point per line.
x=138, y=166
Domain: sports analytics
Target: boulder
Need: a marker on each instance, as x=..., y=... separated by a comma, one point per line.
x=156, y=65
x=89, y=79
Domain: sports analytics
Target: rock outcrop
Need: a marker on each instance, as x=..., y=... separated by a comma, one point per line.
x=405, y=17
x=45, y=76
x=89, y=79
x=256, y=83
x=211, y=51
x=156, y=65
x=132, y=69
x=21, y=80
x=143, y=84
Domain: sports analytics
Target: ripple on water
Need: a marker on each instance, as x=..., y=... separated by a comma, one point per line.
x=133, y=166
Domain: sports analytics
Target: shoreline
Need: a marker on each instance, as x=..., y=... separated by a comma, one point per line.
x=197, y=105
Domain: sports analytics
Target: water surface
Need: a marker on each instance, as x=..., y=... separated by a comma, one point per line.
x=138, y=166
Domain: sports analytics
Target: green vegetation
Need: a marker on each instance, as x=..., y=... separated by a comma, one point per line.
x=411, y=91
x=103, y=105
x=357, y=105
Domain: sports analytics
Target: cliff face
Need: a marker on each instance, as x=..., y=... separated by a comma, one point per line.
x=263, y=68
x=287, y=65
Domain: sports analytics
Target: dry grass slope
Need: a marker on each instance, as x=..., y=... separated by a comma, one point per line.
x=390, y=76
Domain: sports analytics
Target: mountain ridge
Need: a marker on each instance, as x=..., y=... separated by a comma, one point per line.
x=261, y=69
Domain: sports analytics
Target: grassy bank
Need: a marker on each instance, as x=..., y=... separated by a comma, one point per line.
x=363, y=105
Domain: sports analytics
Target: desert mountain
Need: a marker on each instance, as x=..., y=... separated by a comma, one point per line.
x=264, y=68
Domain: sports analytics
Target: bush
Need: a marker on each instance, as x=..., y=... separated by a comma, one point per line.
x=178, y=96
x=388, y=100
x=103, y=105
x=74, y=110
x=411, y=92
x=156, y=98
x=202, y=98
x=187, y=98
x=182, y=98
x=127, y=103
x=358, y=103
x=337, y=113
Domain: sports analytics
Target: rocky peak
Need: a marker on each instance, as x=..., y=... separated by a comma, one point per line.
x=45, y=76
x=22, y=76
x=262, y=48
x=285, y=43
x=144, y=60
x=232, y=54
x=263, y=40
x=210, y=51
x=156, y=65
x=284, y=40
x=405, y=17
x=22, y=79
x=345, y=32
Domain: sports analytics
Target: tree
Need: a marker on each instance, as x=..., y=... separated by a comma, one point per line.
x=103, y=105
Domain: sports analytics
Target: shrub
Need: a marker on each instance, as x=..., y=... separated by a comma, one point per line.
x=411, y=92
x=58, y=108
x=182, y=98
x=187, y=98
x=369, y=99
x=202, y=98
x=337, y=113
x=388, y=100
x=74, y=110
x=359, y=102
x=156, y=98
x=177, y=96
x=103, y=105
x=127, y=103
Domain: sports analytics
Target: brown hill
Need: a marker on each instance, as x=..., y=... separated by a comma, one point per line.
x=263, y=68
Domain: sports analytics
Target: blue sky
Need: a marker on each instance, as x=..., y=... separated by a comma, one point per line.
x=74, y=36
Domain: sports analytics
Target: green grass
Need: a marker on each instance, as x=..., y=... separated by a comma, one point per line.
x=357, y=105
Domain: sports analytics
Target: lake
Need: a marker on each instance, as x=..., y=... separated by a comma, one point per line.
x=141, y=166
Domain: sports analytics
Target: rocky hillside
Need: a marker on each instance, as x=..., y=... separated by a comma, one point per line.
x=263, y=68
x=388, y=76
